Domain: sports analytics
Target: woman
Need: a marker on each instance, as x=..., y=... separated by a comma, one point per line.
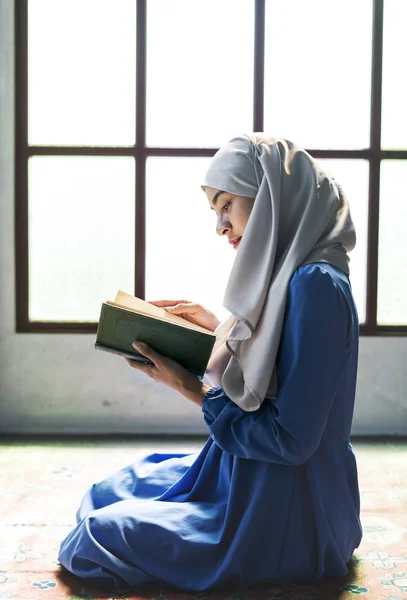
x=273, y=495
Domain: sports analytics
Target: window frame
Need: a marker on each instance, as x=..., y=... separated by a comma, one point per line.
x=374, y=155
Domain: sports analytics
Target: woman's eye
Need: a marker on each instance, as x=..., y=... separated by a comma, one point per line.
x=226, y=205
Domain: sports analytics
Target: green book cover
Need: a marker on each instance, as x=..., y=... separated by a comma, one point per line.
x=118, y=328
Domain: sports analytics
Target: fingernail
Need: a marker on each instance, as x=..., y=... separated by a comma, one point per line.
x=137, y=344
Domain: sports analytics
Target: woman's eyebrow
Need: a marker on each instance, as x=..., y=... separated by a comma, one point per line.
x=216, y=196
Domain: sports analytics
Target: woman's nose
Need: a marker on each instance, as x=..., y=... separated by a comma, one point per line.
x=222, y=227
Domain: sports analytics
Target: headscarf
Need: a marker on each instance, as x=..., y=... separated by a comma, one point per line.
x=300, y=215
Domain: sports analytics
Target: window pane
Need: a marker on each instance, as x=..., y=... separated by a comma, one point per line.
x=185, y=257
x=81, y=72
x=317, y=72
x=392, y=279
x=394, y=96
x=199, y=71
x=81, y=235
x=353, y=177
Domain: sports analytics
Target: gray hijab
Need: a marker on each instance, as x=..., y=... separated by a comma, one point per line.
x=300, y=215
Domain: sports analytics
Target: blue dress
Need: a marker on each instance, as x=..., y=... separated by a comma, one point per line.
x=273, y=495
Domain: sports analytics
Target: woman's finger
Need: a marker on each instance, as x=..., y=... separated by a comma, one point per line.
x=163, y=303
x=136, y=364
x=182, y=308
x=146, y=369
x=147, y=351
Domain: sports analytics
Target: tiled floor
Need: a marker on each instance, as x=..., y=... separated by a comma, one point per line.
x=43, y=480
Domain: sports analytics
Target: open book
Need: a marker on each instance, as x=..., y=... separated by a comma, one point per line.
x=128, y=318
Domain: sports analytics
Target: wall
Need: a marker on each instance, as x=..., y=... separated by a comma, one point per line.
x=59, y=384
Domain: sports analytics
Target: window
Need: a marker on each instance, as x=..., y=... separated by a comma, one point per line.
x=120, y=105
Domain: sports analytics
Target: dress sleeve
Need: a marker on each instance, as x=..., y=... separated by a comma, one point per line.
x=312, y=358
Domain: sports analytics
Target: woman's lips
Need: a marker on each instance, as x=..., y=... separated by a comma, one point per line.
x=236, y=243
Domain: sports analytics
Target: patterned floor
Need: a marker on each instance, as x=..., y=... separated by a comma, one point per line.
x=42, y=482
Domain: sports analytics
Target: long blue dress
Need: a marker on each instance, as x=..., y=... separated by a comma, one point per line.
x=273, y=495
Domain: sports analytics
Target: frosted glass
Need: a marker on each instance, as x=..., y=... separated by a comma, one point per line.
x=81, y=235
x=394, y=95
x=199, y=71
x=353, y=177
x=392, y=275
x=81, y=72
x=185, y=257
x=318, y=72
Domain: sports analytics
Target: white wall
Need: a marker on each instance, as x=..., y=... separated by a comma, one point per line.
x=51, y=383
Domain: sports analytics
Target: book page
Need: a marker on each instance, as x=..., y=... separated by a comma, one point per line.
x=138, y=305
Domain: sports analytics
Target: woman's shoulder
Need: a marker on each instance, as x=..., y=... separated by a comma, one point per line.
x=319, y=274
x=322, y=282
x=321, y=293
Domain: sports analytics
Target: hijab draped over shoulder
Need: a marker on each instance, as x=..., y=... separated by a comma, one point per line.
x=300, y=215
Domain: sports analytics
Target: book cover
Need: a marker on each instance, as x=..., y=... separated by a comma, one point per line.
x=119, y=327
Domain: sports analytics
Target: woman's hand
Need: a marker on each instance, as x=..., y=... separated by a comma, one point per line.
x=195, y=313
x=168, y=371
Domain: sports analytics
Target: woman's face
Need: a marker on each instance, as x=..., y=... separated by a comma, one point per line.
x=232, y=213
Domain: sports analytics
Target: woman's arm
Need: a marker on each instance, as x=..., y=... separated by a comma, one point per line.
x=312, y=358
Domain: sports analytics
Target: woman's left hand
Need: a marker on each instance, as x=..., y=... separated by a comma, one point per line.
x=168, y=371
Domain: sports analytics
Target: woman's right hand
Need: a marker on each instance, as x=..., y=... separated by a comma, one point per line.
x=195, y=313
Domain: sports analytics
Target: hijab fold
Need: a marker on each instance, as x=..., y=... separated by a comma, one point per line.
x=300, y=215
